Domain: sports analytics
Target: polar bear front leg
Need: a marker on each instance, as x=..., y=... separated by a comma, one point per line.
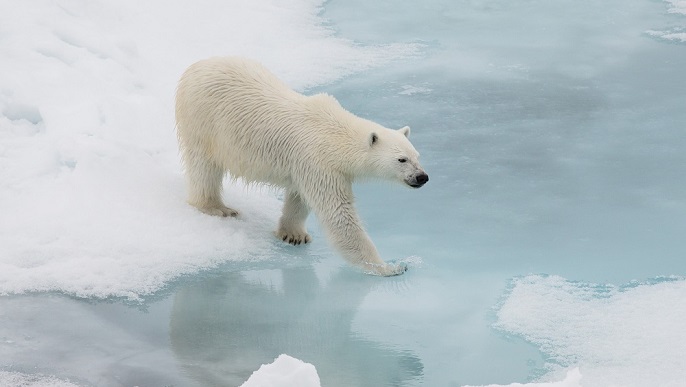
x=292, y=224
x=345, y=231
x=358, y=249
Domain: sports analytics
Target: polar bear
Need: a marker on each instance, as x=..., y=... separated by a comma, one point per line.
x=233, y=115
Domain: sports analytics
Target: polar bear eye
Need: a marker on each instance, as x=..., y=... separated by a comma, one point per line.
x=402, y=160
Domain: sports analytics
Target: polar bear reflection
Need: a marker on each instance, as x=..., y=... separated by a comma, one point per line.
x=223, y=329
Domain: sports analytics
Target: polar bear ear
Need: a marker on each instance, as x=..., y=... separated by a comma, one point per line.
x=405, y=131
x=373, y=138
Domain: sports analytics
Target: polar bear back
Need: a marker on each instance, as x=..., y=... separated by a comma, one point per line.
x=242, y=118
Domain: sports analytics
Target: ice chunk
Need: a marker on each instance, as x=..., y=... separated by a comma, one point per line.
x=629, y=336
x=285, y=371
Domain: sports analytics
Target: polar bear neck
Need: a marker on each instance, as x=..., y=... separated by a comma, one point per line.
x=348, y=131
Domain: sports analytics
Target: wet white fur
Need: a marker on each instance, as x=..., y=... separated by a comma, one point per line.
x=234, y=116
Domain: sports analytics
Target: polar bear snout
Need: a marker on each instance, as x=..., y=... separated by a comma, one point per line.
x=417, y=180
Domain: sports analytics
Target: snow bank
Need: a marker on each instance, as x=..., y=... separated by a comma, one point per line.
x=285, y=371
x=619, y=336
x=18, y=379
x=92, y=198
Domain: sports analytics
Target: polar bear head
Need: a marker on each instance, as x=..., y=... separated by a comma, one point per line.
x=391, y=156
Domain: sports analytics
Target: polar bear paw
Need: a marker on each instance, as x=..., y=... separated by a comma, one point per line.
x=294, y=237
x=222, y=211
x=387, y=269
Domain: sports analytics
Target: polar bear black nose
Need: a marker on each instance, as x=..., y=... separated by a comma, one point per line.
x=422, y=178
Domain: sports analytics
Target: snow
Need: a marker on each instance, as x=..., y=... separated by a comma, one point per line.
x=17, y=379
x=628, y=336
x=285, y=371
x=92, y=197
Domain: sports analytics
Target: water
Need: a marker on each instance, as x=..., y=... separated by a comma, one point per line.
x=553, y=134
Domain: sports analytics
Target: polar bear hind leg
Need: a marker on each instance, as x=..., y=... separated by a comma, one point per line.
x=204, y=187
